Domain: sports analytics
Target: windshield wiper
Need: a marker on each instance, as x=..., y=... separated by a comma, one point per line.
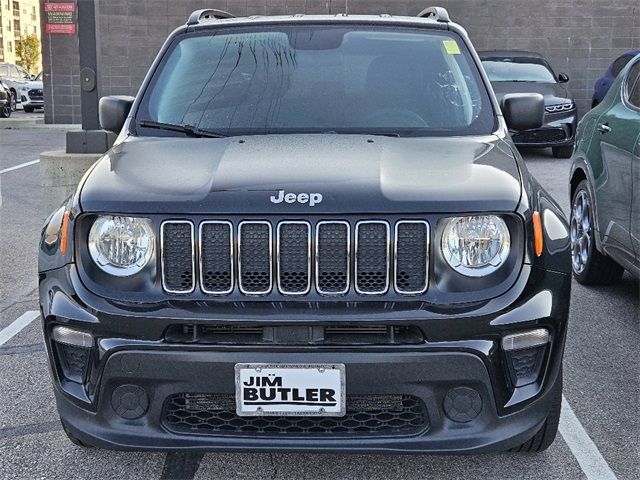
x=186, y=129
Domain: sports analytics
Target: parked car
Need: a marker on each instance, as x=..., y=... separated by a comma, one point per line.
x=605, y=198
x=5, y=101
x=31, y=94
x=602, y=84
x=513, y=71
x=322, y=240
x=14, y=77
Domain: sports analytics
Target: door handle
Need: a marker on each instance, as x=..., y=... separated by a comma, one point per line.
x=604, y=128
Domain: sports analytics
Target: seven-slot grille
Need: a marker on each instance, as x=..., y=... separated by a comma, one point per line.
x=294, y=257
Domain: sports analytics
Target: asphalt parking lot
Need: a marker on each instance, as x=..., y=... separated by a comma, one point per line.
x=599, y=429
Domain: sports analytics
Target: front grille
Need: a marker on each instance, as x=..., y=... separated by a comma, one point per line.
x=294, y=335
x=294, y=257
x=255, y=254
x=540, y=136
x=178, y=266
x=35, y=94
x=216, y=257
x=215, y=414
x=372, y=257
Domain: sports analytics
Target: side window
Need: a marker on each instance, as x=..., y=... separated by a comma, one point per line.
x=633, y=85
x=13, y=71
x=4, y=71
x=619, y=64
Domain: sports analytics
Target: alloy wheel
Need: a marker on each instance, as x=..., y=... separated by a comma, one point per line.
x=581, y=231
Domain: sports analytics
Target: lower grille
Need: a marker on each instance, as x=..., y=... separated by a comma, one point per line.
x=215, y=414
x=540, y=136
x=295, y=335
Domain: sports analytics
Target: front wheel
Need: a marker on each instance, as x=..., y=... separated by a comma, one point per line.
x=28, y=109
x=5, y=111
x=14, y=101
x=590, y=267
x=562, y=152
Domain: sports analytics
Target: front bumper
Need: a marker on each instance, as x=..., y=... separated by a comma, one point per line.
x=558, y=130
x=28, y=101
x=461, y=350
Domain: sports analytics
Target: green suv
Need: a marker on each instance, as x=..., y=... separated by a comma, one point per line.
x=605, y=179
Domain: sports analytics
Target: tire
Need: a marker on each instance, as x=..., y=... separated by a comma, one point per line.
x=590, y=267
x=5, y=111
x=547, y=433
x=28, y=109
x=14, y=101
x=75, y=440
x=562, y=152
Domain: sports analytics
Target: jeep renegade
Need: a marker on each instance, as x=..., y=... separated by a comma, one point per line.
x=313, y=233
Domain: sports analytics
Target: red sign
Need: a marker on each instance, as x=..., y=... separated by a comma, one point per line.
x=60, y=18
x=59, y=7
x=60, y=28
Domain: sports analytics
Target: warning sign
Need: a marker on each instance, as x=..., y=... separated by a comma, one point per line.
x=60, y=18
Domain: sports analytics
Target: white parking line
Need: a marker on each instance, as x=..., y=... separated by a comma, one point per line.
x=593, y=464
x=16, y=167
x=16, y=327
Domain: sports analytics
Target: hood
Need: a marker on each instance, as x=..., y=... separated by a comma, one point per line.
x=32, y=84
x=352, y=173
x=553, y=93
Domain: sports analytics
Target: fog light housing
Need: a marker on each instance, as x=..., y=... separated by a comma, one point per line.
x=525, y=353
x=73, y=349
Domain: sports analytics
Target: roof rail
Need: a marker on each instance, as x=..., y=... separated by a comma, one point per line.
x=439, y=14
x=205, y=13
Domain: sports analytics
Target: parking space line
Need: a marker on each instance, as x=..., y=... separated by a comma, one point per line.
x=16, y=167
x=593, y=464
x=16, y=327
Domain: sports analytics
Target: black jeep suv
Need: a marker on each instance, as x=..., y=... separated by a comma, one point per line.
x=313, y=233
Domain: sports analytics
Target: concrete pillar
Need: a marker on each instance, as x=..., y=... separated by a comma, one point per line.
x=60, y=173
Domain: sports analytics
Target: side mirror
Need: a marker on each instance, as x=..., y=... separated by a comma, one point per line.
x=523, y=111
x=113, y=112
x=32, y=77
x=563, y=77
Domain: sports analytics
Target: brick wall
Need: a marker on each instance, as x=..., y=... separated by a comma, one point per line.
x=579, y=37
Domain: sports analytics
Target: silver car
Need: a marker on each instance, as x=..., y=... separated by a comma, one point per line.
x=31, y=94
x=14, y=77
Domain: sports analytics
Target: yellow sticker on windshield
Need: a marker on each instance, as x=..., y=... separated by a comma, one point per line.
x=451, y=46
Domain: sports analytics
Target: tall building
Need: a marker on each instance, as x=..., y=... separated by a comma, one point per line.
x=18, y=18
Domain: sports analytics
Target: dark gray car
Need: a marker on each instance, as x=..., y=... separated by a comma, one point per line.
x=513, y=71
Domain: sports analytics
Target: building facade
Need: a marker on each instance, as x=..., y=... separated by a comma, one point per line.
x=18, y=18
x=579, y=37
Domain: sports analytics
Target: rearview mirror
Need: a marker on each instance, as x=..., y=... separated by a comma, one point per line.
x=113, y=112
x=523, y=111
x=563, y=77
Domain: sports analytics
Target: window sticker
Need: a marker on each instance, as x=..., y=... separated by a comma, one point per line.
x=451, y=47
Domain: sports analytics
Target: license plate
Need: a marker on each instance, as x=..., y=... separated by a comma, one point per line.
x=290, y=390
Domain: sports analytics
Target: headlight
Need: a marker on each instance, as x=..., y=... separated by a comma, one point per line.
x=476, y=246
x=121, y=246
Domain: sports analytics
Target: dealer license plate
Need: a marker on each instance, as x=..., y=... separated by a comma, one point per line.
x=290, y=390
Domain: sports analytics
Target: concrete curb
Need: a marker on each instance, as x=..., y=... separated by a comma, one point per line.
x=60, y=173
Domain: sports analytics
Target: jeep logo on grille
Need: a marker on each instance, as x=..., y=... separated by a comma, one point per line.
x=311, y=198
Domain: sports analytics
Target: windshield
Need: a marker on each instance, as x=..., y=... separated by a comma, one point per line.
x=518, y=70
x=318, y=79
